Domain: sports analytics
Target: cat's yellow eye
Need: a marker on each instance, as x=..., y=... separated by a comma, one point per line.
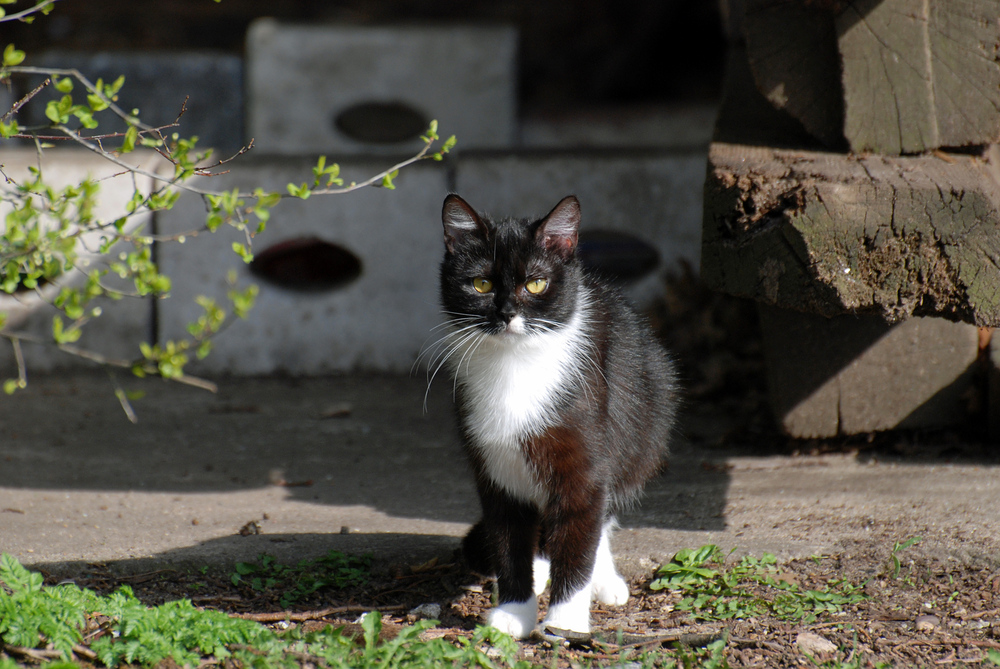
x=535, y=286
x=482, y=284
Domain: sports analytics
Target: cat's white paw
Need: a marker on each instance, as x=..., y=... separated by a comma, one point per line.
x=572, y=615
x=515, y=618
x=611, y=589
x=540, y=574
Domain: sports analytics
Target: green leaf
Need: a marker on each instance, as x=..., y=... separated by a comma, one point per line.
x=243, y=252
x=10, y=386
x=387, y=180
x=12, y=56
x=64, y=85
x=130, y=136
x=302, y=191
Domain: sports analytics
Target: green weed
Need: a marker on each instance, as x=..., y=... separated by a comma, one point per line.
x=749, y=588
x=898, y=548
x=119, y=629
x=333, y=570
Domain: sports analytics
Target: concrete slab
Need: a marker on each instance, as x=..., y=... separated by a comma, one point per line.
x=376, y=322
x=302, y=78
x=177, y=487
x=656, y=196
x=124, y=324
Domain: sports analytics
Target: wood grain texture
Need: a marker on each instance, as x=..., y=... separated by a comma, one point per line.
x=833, y=233
x=792, y=50
x=891, y=76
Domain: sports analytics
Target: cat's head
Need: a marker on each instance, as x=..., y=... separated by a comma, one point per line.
x=510, y=277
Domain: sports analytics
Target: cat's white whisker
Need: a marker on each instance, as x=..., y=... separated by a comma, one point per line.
x=432, y=349
x=450, y=350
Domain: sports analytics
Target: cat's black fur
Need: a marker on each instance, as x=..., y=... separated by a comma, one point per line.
x=603, y=429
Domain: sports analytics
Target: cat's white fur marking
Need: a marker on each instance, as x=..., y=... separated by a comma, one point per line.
x=513, y=381
x=540, y=574
x=515, y=618
x=605, y=586
x=573, y=614
x=608, y=586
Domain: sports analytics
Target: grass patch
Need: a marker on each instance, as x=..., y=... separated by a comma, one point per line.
x=71, y=622
x=333, y=570
x=750, y=588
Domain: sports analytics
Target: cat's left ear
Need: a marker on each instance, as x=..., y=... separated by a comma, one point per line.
x=460, y=219
x=558, y=231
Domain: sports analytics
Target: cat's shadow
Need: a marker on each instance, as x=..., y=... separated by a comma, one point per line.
x=357, y=440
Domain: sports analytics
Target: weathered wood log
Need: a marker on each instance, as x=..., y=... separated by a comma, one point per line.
x=792, y=50
x=914, y=75
x=834, y=233
x=919, y=75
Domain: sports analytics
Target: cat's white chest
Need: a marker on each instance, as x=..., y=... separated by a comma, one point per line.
x=512, y=386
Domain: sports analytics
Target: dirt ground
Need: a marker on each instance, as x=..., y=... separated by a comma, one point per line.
x=931, y=613
x=843, y=505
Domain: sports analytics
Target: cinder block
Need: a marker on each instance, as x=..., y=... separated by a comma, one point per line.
x=376, y=322
x=656, y=197
x=687, y=126
x=851, y=375
x=125, y=323
x=157, y=83
x=302, y=78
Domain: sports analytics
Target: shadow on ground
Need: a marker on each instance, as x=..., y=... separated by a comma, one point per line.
x=343, y=441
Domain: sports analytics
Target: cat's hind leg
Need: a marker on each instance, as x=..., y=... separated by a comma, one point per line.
x=609, y=587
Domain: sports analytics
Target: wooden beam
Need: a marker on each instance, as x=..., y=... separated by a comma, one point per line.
x=792, y=50
x=892, y=76
x=833, y=233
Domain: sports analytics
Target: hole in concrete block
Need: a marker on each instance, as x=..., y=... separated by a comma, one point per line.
x=306, y=264
x=381, y=122
x=617, y=255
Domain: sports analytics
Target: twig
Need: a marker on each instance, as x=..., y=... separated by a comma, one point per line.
x=122, y=398
x=204, y=384
x=745, y=641
x=84, y=652
x=27, y=12
x=22, y=374
x=949, y=642
x=20, y=103
x=315, y=615
x=33, y=653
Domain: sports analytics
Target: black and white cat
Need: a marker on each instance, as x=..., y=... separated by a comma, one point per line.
x=565, y=401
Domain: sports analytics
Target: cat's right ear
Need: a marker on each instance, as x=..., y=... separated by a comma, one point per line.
x=460, y=219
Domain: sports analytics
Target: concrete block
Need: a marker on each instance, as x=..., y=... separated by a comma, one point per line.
x=302, y=78
x=157, y=83
x=687, y=126
x=125, y=323
x=857, y=374
x=656, y=197
x=376, y=322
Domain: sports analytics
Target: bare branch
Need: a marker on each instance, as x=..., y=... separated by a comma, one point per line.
x=204, y=384
x=27, y=12
x=20, y=103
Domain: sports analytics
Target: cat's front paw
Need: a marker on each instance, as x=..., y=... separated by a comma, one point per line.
x=572, y=615
x=515, y=618
x=611, y=589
